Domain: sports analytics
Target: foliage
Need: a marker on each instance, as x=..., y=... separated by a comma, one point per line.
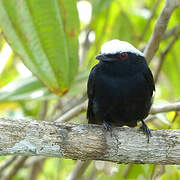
x=43, y=35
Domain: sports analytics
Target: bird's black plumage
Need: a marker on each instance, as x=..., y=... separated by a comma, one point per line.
x=120, y=90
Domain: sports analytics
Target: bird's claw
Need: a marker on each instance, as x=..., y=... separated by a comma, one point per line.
x=107, y=127
x=146, y=130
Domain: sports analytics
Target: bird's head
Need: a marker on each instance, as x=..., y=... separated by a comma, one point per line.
x=116, y=50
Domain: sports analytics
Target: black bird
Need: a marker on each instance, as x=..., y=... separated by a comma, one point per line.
x=120, y=87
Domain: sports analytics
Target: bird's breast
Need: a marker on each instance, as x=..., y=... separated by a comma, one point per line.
x=121, y=86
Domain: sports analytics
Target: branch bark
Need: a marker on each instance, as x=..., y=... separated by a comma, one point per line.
x=165, y=108
x=78, y=170
x=160, y=28
x=16, y=166
x=7, y=163
x=171, y=32
x=163, y=55
x=73, y=112
x=88, y=142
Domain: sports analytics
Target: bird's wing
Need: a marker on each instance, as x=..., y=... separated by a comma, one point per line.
x=90, y=93
x=149, y=78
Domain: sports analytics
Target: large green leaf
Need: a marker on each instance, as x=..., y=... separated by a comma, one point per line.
x=44, y=33
x=27, y=88
x=30, y=88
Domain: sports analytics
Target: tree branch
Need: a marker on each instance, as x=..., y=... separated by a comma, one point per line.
x=163, y=55
x=160, y=28
x=88, y=142
x=16, y=166
x=73, y=112
x=165, y=108
x=7, y=163
x=78, y=170
x=171, y=32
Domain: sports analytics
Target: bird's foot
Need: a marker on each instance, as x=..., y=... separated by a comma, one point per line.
x=107, y=127
x=146, y=130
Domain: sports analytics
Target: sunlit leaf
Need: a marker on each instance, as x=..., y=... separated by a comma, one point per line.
x=25, y=89
x=44, y=34
x=30, y=88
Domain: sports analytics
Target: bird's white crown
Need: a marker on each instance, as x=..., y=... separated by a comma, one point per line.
x=116, y=46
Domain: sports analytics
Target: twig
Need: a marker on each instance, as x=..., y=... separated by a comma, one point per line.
x=32, y=160
x=163, y=55
x=70, y=104
x=88, y=142
x=73, y=112
x=86, y=45
x=7, y=163
x=93, y=172
x=17, y=165
x=83, y=106
x=158, y=171
x=171, y=32
x=173, y=120
x=126, y=171
x=150, y=118
x=56, y=107
x=160, y=27
x=78, y=170
x=165, y=108
x=43, y=110
x=36, y=169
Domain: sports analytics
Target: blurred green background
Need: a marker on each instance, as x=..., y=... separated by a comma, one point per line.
x=58, y=42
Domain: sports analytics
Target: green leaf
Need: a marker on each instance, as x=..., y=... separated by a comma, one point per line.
x=25, y=89
x=45, y=35
x=30, y=88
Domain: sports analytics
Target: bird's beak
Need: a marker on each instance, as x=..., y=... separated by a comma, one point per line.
x=103, y=57
x=100, y=57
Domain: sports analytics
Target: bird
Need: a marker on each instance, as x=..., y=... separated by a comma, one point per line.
x=120, y=87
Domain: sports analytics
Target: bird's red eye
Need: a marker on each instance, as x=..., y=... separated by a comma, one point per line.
x=123, y=55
